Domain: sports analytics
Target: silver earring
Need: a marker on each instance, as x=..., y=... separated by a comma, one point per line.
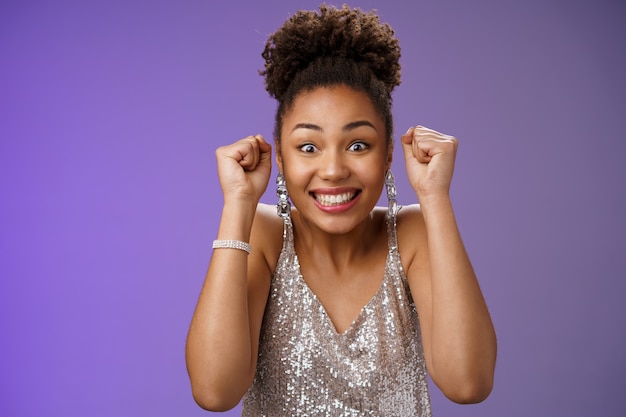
x=390, y=185
x=283, y=208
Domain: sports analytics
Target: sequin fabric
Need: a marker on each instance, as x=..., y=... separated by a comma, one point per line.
x=305, y=368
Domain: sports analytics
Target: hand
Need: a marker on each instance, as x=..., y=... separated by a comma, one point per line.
x=429, y=157
x=244, y=169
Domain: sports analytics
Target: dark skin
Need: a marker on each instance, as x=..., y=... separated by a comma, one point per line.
x=355, y=280
x=334, y=165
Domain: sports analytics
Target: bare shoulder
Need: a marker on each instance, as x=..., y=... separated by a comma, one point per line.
x=411, y=233
x=267, y=234
x=410, y=214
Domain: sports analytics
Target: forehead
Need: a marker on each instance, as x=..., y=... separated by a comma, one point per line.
x=334, y=105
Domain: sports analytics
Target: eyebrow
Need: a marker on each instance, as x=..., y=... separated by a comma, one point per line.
x=346, y=128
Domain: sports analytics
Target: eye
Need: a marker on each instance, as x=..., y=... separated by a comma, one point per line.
x=308, y=148
x=358, y=146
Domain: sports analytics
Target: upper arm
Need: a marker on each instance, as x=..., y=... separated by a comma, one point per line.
x=413, y=246
x=266, y=242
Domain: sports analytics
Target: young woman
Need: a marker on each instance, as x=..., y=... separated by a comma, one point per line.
x=334, y=306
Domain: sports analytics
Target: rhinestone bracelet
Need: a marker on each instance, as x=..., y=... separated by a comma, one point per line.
x=232, y=244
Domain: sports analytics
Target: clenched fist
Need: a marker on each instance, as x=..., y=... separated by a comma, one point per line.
x=429, y=156
x=244, y=169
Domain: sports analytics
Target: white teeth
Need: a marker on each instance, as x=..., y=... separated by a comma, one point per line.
x=333, y=199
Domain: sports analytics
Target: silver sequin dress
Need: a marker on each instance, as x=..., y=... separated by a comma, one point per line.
x=305, y=368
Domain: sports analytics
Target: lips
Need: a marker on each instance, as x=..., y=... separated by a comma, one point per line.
x=335, y=197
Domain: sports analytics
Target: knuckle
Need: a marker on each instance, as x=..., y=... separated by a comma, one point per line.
x=220, y=151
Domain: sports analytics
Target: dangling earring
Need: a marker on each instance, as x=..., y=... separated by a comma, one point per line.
x=283, y=208
x=390, y=185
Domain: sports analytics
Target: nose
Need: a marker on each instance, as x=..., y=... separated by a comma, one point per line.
x=333, y=166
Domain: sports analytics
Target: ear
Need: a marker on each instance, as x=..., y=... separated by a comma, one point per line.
x=279, y=158
x=389, y=156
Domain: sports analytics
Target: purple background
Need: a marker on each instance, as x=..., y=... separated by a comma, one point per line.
x=110, y=113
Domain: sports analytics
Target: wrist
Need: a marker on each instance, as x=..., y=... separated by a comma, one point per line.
x=232, y=244
x=433, y=199
x=236, y=221
x=239, y=202
x=435, y=205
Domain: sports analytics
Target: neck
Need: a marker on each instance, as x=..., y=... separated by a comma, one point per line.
x=337, y=249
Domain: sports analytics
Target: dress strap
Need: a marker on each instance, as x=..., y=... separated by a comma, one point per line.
x=391, y=230
x=288, y=252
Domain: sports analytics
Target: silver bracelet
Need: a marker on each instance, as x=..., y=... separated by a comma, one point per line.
x=232, y=244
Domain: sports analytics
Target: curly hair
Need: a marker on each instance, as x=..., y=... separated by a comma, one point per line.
x=333, y=47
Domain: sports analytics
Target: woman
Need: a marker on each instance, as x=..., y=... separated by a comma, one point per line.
x=340, y=308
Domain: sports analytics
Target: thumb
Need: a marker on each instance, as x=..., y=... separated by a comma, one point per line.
x=408, y=144
x=265, y=152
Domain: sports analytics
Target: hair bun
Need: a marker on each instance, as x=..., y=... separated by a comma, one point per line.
x=343, y=33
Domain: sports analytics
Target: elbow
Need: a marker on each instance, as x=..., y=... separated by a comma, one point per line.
x=212, y=399
x=469, y=381
x=471, y=391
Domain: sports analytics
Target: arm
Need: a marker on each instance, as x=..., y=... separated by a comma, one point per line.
x=459, y=338
x=222, y=342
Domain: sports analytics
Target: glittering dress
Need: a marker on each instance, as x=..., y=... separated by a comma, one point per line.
x=305, y=368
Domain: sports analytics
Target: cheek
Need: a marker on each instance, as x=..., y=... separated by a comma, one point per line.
x=375, y=175
x=296, y=176
x=372, y=168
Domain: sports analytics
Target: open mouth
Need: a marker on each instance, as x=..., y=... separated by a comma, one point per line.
x=330, y=200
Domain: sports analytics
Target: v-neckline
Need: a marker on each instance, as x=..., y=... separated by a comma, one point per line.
x=361, y=312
